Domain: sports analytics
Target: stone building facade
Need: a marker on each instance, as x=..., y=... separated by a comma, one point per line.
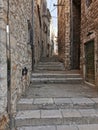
x=46, y=17
x=3, y=70
x=78, y=36
x=64, y=32
x=22, y=41
x=89, y=40
x=15, y=53
x=37, y=30
x=69, y=33
x=48, y=22
x=53, y=41
x=42, y=29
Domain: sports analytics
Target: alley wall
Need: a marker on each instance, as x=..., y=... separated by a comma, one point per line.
x=89, y=33
x=20, y=12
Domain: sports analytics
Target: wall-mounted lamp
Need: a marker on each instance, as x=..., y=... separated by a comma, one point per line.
x=24, y=71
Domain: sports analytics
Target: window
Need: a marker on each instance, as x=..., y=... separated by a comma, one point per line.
x=88, y=2
x=30, y=32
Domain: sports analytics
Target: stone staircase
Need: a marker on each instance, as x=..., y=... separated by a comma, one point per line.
x=54, y=72
x=56, y=78
x=50, y=66
x=56, y=113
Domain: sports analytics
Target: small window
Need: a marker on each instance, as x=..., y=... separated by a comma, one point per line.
x=88, y=2
x=30, y=32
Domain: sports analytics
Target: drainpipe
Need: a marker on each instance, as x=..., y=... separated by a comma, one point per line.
x=8, y=54
x=32, y=46
x=71, y=34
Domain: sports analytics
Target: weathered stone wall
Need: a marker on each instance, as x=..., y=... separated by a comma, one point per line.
x=37, y=31
x=48, y=21
x=41, y=28
x=3, y=66
x=75, y=63
x=89, y=23
x=69, y=33
x=61, y=35
x=20, y=12
x=64, y=32
x=44, y=27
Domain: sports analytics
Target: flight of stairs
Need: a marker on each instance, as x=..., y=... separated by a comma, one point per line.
x=50, y=66
x=54, y=72
x=56, y=113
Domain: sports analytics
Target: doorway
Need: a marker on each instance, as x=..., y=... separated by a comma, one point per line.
x=75, y=34
x=89, y=63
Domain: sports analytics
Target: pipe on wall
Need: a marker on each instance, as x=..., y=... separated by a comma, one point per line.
x=32, y=46
x=71, y=34
x=8, y=55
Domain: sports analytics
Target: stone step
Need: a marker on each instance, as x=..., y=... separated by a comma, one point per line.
x=57, y=103
x=50, y=66
x=55, y=68
x=57, y=80
x=56, y=75
x=49, y=59
x=50, y=63
x=62, y=127
x=56, y=117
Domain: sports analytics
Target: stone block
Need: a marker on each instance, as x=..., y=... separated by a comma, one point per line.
x=62, y=101
x=38, y=128
x=88, y=127
x=83, y=103
x=95, y=100
x=70, y=113
x=51, y=114
x=26, y=101
x=65, y=127
x=88, y=112
x=28, y=114
x=43, y=101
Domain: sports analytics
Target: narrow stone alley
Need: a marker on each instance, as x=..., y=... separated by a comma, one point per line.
x=57, y=100
x=48, y=64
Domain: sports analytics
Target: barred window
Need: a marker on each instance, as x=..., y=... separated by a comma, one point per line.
x=88, y=2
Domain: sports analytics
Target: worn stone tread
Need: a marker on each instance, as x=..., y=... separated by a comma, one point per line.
x=56, y=117
x=57, y=80
x=62, y=127
x=57, y=103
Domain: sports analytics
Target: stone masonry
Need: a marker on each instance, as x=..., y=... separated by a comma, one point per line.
x=25, y=33
x=3, y=66
x=41, y=29
x=69, y=33
x=37, y=31
x=89, y=32
x=57, y=100
x=45, y=28
x=78, y=31
x=20, y=12
x=64, y=32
